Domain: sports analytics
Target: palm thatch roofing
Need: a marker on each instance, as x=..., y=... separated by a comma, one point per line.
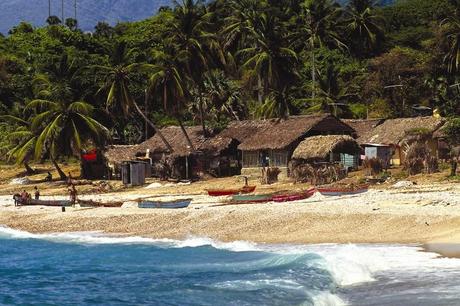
x=281, y=133
x=320, y=147
x=119, y=153
x=179, y=143
x=395, y=131
x=242, y=130
x=362, y=126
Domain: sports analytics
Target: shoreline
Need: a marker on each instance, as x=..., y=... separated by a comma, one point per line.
x=425, y=215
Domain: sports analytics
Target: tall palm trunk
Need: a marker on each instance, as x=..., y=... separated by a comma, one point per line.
x=157, y=131
x=58, y=169
x=313, y=71
x=29, y=169
x=192, y=147
x=260, y=93
x=200, y=106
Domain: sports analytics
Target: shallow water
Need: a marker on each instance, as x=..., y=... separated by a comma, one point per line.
x=93, y=269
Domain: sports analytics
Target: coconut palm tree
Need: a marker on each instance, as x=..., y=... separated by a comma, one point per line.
x=169, y=83
x=117, y=77
x=451, y=27
x=61, y=128
x=195, y=46
x=318, y=28
x=271, y=59
x=363, y=26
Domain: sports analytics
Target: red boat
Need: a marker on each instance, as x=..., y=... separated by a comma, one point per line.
x=341, y=191
x=226, y=192
x=294, y=196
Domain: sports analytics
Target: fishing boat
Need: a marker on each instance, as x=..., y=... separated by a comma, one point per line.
x=341, y=191
x=167, y=204
x=32, y=202
x=226, y=192
x=91, y=203
x=251, y=198
x=294, y=196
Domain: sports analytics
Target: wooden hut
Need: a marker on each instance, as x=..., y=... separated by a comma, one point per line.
x=115, y=155
x=362, y=126
x=395, y=135
x=273, y=144
x=329, y=149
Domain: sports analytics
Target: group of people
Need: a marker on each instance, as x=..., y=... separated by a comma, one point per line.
x=25, y=197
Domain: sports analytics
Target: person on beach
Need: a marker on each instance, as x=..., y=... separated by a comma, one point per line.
x=73, y=194
x=69, y=180
x=37, y=193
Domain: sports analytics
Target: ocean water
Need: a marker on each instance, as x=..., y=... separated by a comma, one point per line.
x=94, y=269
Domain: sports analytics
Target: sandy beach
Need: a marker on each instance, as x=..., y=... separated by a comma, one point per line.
x=425, y=214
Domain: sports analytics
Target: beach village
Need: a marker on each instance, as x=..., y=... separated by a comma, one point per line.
x=304, y=179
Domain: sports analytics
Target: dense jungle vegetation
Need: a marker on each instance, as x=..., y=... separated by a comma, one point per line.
x=62, y=90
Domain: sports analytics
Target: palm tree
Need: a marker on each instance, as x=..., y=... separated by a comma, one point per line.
x=271, y=60
x=53, y=20
x=319, y=24
x=167, y=80
x=117, y=79
x=62, y=128
x=194, y=44
x=451, y=27
x=21, y=141
x=363, y=26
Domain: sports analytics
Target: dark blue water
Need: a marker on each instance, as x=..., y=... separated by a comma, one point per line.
x=91, y=269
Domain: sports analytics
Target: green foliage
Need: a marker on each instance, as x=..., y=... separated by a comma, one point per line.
x=452, y=130
x=209, y=62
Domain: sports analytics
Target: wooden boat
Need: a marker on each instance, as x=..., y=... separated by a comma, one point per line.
x=226, y=192
x=91, y=203
x=251, y=198
x=183, y=203
x=341, y=191
x=294, y=196
x=33, y=202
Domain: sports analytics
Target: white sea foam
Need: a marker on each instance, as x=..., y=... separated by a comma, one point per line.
x=328, y=299
x=348, y=264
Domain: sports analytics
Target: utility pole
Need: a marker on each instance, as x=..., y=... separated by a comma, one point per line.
x=49, y=8
x=75, y=9
x=62, y=10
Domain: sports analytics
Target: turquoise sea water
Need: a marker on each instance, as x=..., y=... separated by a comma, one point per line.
x=93, y=269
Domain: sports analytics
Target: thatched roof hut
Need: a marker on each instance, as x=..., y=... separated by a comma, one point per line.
x=317, y=148
x=242, y=130
x=115, y=155
x=396, y=131
x=363, y=126
x=179, y=143
x=281, y=133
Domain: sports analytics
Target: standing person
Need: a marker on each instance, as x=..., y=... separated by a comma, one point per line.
x=69, y=179
x=37, y=193
x=73, y=194
x=49, y=177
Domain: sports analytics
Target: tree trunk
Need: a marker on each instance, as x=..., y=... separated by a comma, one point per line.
x=203, y=126
x=168, y=146
x=260, y=94
x=186, y=134
x=453, y=167
x=313, y=72
x=59, y=170
x=29, y=169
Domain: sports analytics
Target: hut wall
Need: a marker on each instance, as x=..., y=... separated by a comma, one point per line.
x=251, y=159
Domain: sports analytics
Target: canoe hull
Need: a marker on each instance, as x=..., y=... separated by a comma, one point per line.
x=294, y=196
x=33, y=202
x=249, y=199
x=334, y=192
x=168, y=205
x=227, y=192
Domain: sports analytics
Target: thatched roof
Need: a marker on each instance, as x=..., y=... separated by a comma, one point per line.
x=319, y=147
x=118, y=154
x=363, y=126
x=242, y=130
x=178, y=142
x=394, y=131
x=279, y=133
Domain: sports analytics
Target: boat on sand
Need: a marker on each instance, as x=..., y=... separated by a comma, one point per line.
x=296, y=196
x=342, y=191
x=32, y=202
x=183, y=203
x=226, y=192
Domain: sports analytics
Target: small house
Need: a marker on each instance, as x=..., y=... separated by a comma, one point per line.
x=394, y=136
x=341, y=149
x=272, y=145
